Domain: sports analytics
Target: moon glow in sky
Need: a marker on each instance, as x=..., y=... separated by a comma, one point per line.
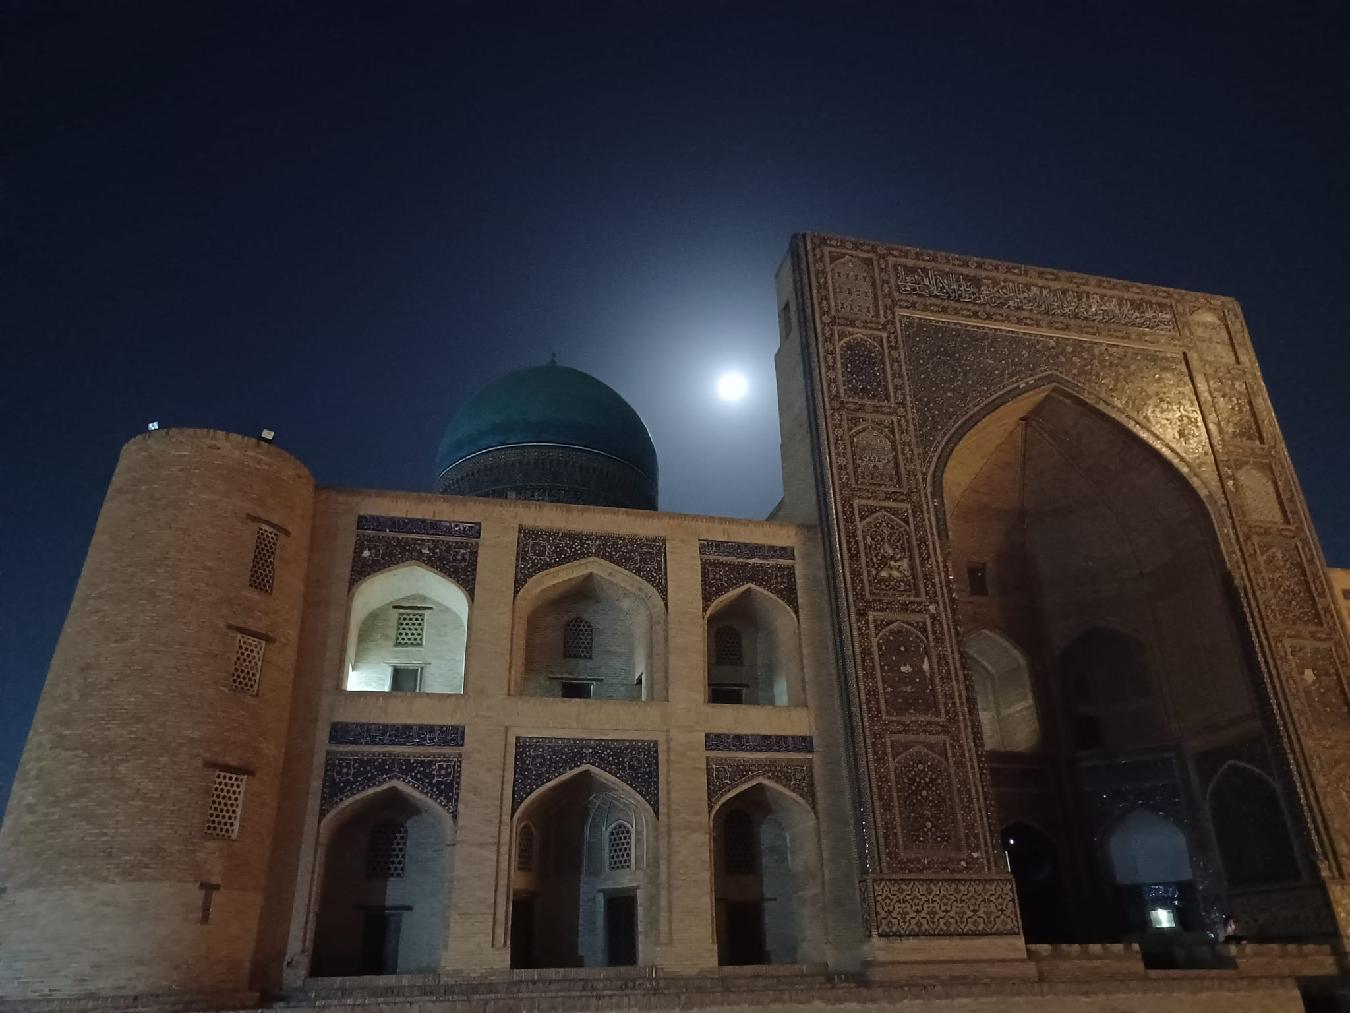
x=732, y=386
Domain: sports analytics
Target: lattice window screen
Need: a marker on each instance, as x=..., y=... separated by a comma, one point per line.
x=410, y=627
x=620, y=847
x=525, y=849
x=727, y=649
x=262, y=574
x=578, y=638
x=226, y=804
x=248, y=659
x=387, y=850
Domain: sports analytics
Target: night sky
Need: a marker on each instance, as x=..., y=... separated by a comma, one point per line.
x=338, y=220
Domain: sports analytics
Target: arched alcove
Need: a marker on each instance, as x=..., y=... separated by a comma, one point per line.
x=1033, y=859
x=590, y=897
x=1251, y=827
x=589, y=630
x=407, y=632
x=753, y=650
x=1076, y=534
x=766, y=878
x=387, y=862
x=1003, y=692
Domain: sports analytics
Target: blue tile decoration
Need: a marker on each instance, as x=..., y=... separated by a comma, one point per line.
x=540, y=760
x=736, y=742
x=540, y=549
x=744, y=550
x=418, y=526
x=448, y=547
x=371, y=733
x=765, y=566
x=726, y=775
x=435, y=775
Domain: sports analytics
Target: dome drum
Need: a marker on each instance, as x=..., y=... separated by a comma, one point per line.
x=550, y=474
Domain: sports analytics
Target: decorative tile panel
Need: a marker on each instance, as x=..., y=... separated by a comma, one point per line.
x=418, y=526
x=540, y=760
x=370, y=733
x=448, y=547
x=718, y=576
x=540, y=549
x=725, y=776
x=942, y=907
x=1291, y=591
x=737, y=742
x=347, y=774
x=744, y=550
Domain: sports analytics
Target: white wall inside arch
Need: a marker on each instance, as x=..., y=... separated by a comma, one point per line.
x=771, y=659
x=1003, y=692
x=371, y=649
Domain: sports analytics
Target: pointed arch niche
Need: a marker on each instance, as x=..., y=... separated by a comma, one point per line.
x=1074, y=537
x=589, y=630
x=407, y=631
x=753, y=650
x=1003, y=692
x=767, y=878
x=588, y=896
x=387, y=862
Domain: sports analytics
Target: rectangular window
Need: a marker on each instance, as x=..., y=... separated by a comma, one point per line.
x=410, y=627
x=248, y=658
x=1345, y=593
x=263, y=572
x=977, y=579
x=573, y=690
x=226, y=804
x=726, y=694
x=405, y=678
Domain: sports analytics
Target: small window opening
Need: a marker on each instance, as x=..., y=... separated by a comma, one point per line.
x=727, y=646
x=410, y=627
x=620, y=847
x=225, y=805
x=263, y=570
x=387, y=850
x=739, y=851
x=578, y=638
x=726, y=694
x=248, y=658
x=405, y=678
x=977, y=579
x=525, y=849
x=573, y=689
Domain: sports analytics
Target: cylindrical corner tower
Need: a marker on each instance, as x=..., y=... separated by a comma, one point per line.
x=133, y=855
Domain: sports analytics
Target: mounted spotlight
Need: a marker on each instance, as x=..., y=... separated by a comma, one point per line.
x=152, y=426
x=268, y=435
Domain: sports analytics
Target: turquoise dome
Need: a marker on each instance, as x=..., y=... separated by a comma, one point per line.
x=548, y=406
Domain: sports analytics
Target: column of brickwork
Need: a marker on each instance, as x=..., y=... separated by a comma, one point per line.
x=170, y=683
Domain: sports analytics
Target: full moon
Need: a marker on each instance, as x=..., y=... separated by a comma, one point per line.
x=731, y=386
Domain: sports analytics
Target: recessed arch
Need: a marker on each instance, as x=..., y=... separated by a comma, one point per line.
x=1003, y=691
x=1105, y=558
x=379, y=658
x=767, y=876
x=1251, y=826
x=769, y=670
x=592, y=897
x=627, y=620
x=377, y=913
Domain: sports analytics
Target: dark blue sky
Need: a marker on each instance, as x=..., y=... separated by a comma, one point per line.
x=337, y=220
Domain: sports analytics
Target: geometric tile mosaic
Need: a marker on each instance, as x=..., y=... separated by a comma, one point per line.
x=435, y=775
x=540, y=760
x=370, y=733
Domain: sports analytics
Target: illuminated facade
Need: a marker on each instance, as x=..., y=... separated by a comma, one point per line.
x=1038, y=651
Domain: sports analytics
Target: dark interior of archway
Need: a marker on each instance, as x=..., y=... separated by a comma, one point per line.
x=1088, y=550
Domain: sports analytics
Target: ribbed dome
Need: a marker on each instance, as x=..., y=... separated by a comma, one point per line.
x=544, y=407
